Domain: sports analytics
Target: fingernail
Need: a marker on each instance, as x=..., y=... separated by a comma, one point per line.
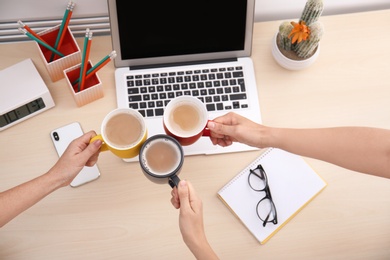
x=183, y=183
x=98, y=143
x=211, y=125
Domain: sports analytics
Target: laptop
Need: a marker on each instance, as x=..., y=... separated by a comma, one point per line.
x=170, y=48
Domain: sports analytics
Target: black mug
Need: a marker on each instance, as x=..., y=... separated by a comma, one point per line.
x=161, y=158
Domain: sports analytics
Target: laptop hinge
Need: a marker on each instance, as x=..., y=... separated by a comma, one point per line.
x=162, y=65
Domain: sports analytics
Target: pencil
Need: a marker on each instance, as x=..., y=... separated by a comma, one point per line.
x=44, y=44
x=66, y=25
x=81, y=77
x=86, y=59
x=31, y=31
x=63, y=27
x=92, y=71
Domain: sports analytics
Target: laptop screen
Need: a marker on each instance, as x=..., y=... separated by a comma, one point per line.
x=158, y=31
x=163, y=28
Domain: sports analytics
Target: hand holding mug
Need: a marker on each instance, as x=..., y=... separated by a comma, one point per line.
x=123, y=132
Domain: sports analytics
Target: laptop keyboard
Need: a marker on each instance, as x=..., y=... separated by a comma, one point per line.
x=218, y=88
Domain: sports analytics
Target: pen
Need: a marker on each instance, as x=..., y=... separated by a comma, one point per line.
x=86, y=58
x=44, y=44
x=63, y=27
x=92, y=71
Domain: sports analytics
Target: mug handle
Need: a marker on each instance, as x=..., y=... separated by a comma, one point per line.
x=173, y=181
x=206, y=130
x=104, y=146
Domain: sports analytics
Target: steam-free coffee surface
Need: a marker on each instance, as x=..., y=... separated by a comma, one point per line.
x=162, y=157
x=185, y=118
x=123, y=130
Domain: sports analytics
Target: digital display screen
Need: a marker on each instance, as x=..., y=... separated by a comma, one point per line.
x=158, y=28
x=21, y=112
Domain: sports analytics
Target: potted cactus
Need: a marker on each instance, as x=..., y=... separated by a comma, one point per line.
x=296, y=45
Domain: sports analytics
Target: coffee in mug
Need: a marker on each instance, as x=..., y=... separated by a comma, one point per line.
x=161, y=158
x=123, y=132
x=185, y=119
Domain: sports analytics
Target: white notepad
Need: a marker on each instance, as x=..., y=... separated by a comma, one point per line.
x=293, y=184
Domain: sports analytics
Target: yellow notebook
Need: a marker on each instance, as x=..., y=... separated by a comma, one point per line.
x=293, y=184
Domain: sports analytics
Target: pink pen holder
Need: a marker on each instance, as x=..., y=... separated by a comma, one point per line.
x=93, y=88
x=69, y=48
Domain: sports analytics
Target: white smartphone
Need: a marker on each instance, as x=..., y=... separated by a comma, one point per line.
x=61, y=138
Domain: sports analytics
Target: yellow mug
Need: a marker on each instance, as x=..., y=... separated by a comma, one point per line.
x=123, y=132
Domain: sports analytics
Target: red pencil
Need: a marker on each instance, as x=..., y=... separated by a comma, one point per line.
x=31, y=31
x=97, y=68
x=86, y=58
x=65, y=27
x=92, y=71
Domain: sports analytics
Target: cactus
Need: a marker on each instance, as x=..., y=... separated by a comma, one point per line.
x=309, y=31
x=284, y=30
x=306, y=48
x=312, y=11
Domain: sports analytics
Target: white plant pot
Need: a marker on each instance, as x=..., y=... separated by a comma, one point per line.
x=288, y=63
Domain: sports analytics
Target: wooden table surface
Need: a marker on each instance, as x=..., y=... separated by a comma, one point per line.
x=124, y=216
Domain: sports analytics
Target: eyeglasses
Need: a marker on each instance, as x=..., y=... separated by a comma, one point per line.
x=265, y=209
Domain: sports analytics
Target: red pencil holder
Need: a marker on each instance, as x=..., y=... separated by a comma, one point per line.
x=93, y=88
x=69, y=48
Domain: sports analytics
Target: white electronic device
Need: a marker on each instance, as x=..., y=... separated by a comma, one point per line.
x=23, y=94
x=61, y=138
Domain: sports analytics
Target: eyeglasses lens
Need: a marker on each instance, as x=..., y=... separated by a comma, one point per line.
x=266, y=210
x=257, y=180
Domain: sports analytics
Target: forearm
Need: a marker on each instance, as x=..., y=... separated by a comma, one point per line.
x=18, y=199
x=202, y=250
x=360, y=149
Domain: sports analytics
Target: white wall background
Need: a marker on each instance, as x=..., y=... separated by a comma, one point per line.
x=41, y=14
x=49, y=9
x=265, y=9
x=268, y=10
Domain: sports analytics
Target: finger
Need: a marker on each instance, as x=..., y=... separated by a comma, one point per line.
x=91, y=152
x=214, y=140
x=212, y=126
x=175, y=204
x=213, y=133
x=226, y=119
x=86, y=138
x=224, y=142
x=219, y=130
x=184, y=196
x=93, y=159
x=195, y=201
x=175, y=195
x=93, y=148
x=227, y=140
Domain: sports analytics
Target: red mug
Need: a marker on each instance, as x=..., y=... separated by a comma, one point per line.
x=185, y=119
